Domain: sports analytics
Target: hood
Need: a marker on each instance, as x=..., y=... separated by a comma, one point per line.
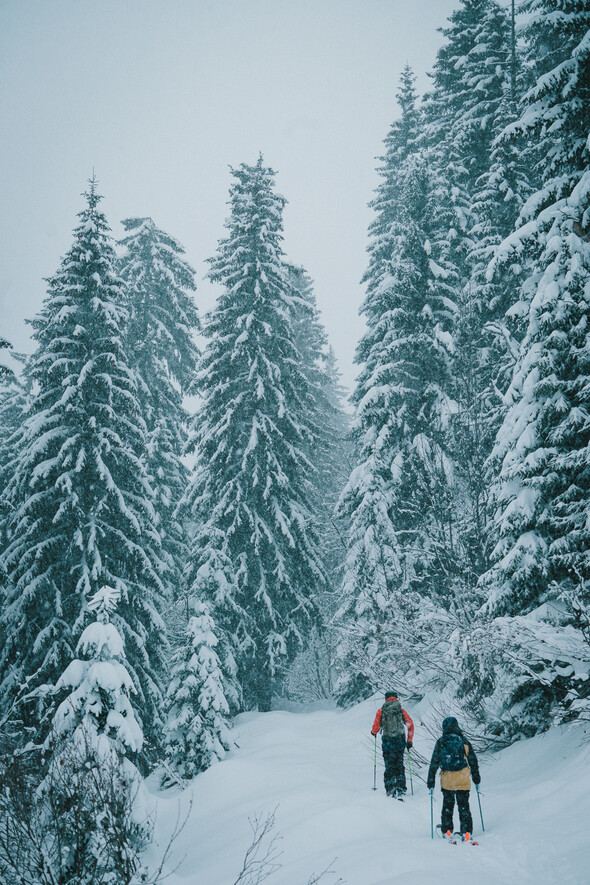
x=451, y=726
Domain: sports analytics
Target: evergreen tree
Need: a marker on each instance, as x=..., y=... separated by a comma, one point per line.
x=477, y=192
x=251, y=489
x=97, y=713
x=397, y=494
x=541, y=489
x=91, y=787
x=159, y=339
x=197, y=732
x=329, y=448
x=330, y=452
x=81, y=511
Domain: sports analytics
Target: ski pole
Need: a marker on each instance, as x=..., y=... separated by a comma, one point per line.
x=375, y=766
x=431, y=814
x=483, y=829
x=410, y=769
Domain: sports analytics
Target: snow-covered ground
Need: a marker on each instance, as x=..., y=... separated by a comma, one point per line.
x=316, y=770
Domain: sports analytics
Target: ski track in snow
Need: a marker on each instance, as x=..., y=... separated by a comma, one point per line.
x=316, y=770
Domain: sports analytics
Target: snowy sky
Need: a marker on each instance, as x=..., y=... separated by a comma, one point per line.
x=162, y=96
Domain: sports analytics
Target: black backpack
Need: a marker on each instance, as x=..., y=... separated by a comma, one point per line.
x=392, y=720
x=452, y=752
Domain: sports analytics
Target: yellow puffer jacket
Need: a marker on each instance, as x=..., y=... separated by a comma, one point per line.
x=454, y=780
x=457, y=780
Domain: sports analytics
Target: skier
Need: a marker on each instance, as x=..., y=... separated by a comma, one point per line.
x=391, y=719
x=457, y=761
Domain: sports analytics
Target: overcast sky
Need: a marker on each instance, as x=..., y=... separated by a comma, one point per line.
x=160, y=97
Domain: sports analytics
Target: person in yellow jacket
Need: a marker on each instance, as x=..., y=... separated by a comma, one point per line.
x=457, y=761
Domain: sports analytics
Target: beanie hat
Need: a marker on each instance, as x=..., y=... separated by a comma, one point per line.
x=390, y=694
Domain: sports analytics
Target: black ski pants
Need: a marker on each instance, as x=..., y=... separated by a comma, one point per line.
x=394, y=776
x=465, y=819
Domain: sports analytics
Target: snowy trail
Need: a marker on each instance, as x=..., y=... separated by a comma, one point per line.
x=316, y=770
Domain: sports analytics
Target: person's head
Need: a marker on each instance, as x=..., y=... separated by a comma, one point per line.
x=390, y=694
x=451, y=726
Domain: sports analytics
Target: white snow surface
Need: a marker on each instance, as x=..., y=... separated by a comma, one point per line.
x=316, y=769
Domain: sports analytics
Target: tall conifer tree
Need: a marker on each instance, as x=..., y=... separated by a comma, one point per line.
x=81, y=512
x=159, y=339
x=399, y=484
x=251, y=490
x=541, y=490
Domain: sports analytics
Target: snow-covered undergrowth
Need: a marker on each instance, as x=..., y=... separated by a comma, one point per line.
x=316, y=770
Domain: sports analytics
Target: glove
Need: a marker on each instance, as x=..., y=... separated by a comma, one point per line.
x=430, y=787
x=477, y=782
x=409, y=745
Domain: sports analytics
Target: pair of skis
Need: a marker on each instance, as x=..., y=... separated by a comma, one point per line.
x=454, y=838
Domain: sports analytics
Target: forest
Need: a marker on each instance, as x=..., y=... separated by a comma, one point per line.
x=195, y=519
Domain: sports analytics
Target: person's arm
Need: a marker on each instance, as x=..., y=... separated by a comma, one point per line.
x=376, y=723
x=409, y=725
x=434, y=763
x=473, y=764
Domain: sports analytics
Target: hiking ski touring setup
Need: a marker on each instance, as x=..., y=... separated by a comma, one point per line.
x=392, y=721
x=454, y=755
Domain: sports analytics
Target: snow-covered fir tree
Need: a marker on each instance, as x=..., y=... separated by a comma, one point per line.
x=97, y=713
x=541, y=492
x=159, y=340
x=251, y=489
x=398, y=490
x=532, y=653
x=330, y=451
x=92, y=789
x=475, y=209
x=81, y=512
x=197, y=726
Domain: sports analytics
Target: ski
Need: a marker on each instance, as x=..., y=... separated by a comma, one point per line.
x=455, y=838
x=460, y=837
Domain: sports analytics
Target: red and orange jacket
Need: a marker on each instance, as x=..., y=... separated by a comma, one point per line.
x=407, y=720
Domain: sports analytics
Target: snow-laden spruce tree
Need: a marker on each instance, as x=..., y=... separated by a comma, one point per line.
x=541, y=490
x=81, y=512
x=469, y=75
x=97, y=713
x=92, y=789
x=400, y=484
x=197, y=726
x=330, y=451
x=251, y=487
x=475, y=208
x=159, y=286
x=537, y=585
x=470, y=78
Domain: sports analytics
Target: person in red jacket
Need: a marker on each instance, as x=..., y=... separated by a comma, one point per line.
x=392, y=720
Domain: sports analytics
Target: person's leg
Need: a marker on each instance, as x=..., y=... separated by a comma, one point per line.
x=399, y=770
x=465, y=819
x=446, y=820
x=389, y=763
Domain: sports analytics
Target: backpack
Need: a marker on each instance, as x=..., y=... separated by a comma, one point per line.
x=452, y=752
x=392, y=720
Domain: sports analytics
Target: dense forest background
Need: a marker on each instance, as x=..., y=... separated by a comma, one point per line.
x=162, y=570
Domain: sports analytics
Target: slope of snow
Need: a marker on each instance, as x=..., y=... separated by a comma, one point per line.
x=316, y=770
